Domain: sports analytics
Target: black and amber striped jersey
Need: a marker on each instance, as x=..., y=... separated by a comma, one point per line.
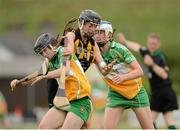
x=85, y=52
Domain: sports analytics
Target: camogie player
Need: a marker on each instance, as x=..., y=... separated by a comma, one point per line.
x=77, y=87
x=81, y=43
x=124, y=80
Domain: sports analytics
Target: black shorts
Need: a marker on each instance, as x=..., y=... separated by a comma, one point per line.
x=52, y=87
x=163, y=100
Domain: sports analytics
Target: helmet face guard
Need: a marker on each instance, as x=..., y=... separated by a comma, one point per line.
x=43, y=41
x=89, y=16
x=88, y=20
x=108, y=31
x=105, y=26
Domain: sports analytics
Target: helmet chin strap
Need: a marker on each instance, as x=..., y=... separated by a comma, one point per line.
x=101, y=43
x=84, y=34
x=81, y=24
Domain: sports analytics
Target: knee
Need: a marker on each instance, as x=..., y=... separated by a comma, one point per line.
x=45, y=125
x=109, y=125
x=42, y=126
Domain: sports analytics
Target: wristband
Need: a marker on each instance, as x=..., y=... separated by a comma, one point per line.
x=102, y=64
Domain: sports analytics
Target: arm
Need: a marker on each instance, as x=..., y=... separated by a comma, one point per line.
x=135, y=73
x=103, y=68
x=160, y=71
x=70, y=46
x=67, y=51
x=53, y=74
x=130, y=44
x=50, y=74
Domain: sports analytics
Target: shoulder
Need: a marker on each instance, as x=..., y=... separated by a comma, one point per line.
x=118, y=46
x=122, y=51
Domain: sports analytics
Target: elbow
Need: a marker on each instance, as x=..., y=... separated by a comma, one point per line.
x=165, y=76
x=141, y=73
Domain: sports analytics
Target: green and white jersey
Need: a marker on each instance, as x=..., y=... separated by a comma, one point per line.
x=129, y=88
x=57, y=61
x=123, y=56
x=117, y=50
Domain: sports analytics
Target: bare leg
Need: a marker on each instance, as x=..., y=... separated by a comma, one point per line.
x=52, y=119
x=169, y=118
x=154, y=115
x=112, y=117
x=144, y=117
x=72, y=121
x=87, y=124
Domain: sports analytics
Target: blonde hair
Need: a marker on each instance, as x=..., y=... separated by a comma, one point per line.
x=154, y=35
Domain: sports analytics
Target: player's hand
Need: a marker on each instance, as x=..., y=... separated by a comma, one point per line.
x=121, y=38
x=148, y=60
x=118, y=78
x=66, y=51
x=13, y=84
x=108, y=68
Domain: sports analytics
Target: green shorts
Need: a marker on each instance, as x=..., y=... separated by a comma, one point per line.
x=81, y=108
x=116, y=100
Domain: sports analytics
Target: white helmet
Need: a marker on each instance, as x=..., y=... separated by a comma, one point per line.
x=106, y=26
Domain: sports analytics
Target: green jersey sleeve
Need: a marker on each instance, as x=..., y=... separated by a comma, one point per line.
x=56, y=62
x=126, y=54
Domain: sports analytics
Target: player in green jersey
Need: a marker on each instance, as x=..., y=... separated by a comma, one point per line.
x=124, y=81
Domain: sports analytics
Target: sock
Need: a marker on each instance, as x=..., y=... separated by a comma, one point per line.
x=171, y=127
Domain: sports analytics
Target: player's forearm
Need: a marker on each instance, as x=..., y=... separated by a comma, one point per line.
x=133, y=74
x=53, y=74
x=159, y=71
x=133, y=45
x=57, y=73
x=104, y=68
x=70, y=43
x=101, y=67
x=99, y=61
